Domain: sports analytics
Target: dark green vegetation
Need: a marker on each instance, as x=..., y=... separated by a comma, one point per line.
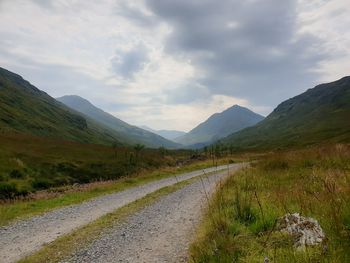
x=24, y=108
x=29, y=163
x=239, y=224
x=321, y=114
x=130, y=134
x=220, y=125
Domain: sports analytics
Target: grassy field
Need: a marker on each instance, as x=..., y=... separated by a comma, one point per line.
x=239, y=224
x=29, y=163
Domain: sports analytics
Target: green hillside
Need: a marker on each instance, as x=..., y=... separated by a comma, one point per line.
x=132, y=133
x=26, y=109
x=321, y=114
x=220, y=125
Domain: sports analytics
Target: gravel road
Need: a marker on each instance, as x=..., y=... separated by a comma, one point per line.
x=27, y=236
x=160, y=232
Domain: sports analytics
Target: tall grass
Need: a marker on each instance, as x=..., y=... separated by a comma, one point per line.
x=239, y=225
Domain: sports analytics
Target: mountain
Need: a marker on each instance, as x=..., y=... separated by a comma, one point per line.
x=26, y=109
x=168, y=134
x=321, y=114
x=220, y=125
x=133, y=133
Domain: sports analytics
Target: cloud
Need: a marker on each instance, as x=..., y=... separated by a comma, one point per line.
x=135, y=13
x=128, y=63
x=247, y=49
x=44, y=3
x=170, y=64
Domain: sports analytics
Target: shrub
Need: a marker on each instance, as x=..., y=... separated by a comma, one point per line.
x=64, y=167
x=16, y=174
x=41, y=183
x=3, y=177
x=8, y=191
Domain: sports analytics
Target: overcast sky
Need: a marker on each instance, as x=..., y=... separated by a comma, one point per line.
x=171, y=64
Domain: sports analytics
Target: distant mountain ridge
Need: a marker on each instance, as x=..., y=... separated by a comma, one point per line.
x=133, y=133
x=321, y=114
x=167, y=134
x=220, y=125
x=26, y=109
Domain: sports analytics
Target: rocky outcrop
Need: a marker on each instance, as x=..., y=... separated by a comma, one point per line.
x=306, y=231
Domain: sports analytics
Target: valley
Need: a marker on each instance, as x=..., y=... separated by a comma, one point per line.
x=162, y=131
x=78, y=184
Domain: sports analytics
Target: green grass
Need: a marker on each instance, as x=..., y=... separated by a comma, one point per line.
x=64, y=246
x=31, y=163
x=22, y=209
x=239, y=224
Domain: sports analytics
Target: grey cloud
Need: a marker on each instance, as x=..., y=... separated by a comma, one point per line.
x=128, y=63
x=246, y=49
x=186, y=93
x=44, y=3
x=133, y=13
x=59, y=80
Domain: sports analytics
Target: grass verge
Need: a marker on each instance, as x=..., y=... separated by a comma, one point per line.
x=239, y=223
x=23, y=209
x=64, y=246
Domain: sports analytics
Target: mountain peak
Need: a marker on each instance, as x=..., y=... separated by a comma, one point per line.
x=220, y=125
x=135, y=134
x=70, y=99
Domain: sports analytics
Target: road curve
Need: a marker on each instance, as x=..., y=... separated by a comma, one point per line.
x=24, y=237
x=161, y=232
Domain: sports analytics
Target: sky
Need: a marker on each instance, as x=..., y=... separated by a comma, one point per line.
x=171, y=64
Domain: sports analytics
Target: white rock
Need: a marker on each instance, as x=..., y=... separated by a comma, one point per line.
x=305, y=230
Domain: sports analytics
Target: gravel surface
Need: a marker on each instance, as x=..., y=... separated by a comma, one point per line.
x=27, y=236
x=161, y=232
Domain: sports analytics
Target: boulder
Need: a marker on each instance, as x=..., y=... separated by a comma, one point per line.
x=306, y=231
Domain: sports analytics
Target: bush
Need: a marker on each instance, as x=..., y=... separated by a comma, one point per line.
x=64, y=167
x=16, y=174
x=8, y=191
x=3, y=177
x=41, y=183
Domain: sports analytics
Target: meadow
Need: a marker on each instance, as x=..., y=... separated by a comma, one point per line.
x=240, y=223
x=29, y=163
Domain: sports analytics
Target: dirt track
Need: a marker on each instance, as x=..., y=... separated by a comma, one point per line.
x=27, y=236
x=160, y=232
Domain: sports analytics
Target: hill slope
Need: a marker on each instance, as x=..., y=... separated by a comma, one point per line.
x=220, y=125
x=167, y=134
x=134, y=133
x=319, y=114
x=26, y=109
